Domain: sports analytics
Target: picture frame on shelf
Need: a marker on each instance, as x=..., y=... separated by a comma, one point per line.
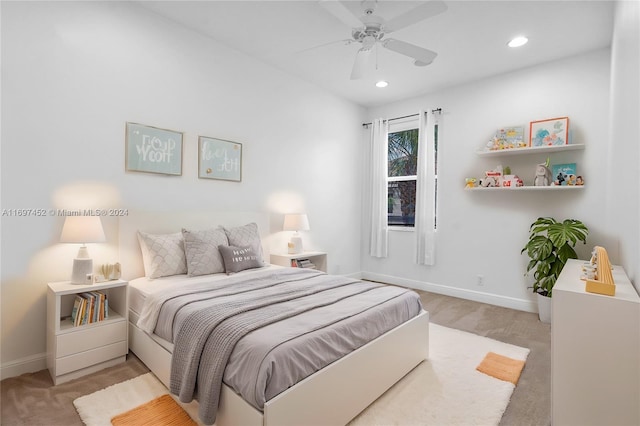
x=219, y=159
x=549, y=132
x=564, y=174
x=507, y=138
x=151, y=149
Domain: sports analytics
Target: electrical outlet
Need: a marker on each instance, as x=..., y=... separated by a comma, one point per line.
x=480, y=280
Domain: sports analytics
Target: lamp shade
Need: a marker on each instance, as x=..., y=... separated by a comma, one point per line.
x=296, y=222
x=82, y=229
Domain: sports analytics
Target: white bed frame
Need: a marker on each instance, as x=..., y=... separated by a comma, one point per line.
x=333, y=395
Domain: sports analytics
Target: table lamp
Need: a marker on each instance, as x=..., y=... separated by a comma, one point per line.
x=295, y=222
x=82, y=230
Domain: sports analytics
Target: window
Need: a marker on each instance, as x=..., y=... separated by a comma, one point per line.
x=401, y=180
x=403, y=141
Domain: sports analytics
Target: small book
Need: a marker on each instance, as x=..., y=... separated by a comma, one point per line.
x=81, y=310
x=74, y=312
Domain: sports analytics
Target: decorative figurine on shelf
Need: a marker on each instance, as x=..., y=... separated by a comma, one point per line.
x=571, y=180
x=492, y=177
x=543, y=175
x=470, y=182
x=579, y=181
x=511, y=181
x=489, y=181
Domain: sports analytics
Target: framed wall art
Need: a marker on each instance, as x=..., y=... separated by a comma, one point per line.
x=553, y=131
x=219, y=159
x=153, y=150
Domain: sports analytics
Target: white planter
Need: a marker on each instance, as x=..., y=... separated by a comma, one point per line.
x=544, y=308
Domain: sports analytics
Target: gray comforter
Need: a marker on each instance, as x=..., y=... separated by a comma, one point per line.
x=207, y=323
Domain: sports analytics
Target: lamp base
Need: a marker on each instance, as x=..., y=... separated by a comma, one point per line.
x=82, y=271
x=295, y=245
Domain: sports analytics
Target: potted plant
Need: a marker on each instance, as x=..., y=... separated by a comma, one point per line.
x=549, y=247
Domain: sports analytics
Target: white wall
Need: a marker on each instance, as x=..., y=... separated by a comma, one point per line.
x=482, y=233
x=74, y=72
x=623, y=209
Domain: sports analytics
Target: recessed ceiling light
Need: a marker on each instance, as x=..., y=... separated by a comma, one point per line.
x=518, y=41
x=382, y=83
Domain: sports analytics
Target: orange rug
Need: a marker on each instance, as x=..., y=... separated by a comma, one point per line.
x=162, y=411
x=501, y=367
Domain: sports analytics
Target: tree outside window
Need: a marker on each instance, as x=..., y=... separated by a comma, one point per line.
x=401, y=190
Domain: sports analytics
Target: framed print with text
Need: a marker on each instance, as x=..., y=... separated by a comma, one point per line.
x=153, y=150
x=219, y=159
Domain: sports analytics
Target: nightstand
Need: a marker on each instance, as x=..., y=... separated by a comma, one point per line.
x=318, y=258
x=75, y=351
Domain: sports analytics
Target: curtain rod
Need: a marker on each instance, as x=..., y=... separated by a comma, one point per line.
x=433, y=111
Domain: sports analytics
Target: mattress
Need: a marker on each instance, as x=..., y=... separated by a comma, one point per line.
x=270, y=359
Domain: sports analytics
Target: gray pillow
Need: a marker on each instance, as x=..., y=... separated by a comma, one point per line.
x=246, y=235
x=238, y=259
x=201, y=250
x=162, y=254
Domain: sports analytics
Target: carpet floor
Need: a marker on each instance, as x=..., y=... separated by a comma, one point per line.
x=31, y=399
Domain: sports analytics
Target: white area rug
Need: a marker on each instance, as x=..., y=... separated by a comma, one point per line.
x=445, y=390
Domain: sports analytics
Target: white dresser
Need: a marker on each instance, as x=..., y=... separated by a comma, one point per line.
x=595, y=352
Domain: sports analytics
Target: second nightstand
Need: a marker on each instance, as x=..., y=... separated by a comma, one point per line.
x=74, y=351
x=318, y=258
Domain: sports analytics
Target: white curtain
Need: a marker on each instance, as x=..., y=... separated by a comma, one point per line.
x=425, y=191
x=378, y=153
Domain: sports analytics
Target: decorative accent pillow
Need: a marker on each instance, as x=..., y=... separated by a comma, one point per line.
x=246, y=235
x=238, y=259
x=163, y=254
x=201, y=250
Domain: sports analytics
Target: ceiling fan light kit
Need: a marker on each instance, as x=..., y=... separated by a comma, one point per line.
x=370, y=29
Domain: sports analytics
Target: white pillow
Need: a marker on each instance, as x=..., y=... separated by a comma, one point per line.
x=246, y=235
x=163, y=254
x=201, y=250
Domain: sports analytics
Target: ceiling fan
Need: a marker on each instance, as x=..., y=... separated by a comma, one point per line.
x=370, y=29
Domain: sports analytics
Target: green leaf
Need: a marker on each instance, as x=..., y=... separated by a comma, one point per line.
x=566, y=252
x=569, y=230
x=539, y=247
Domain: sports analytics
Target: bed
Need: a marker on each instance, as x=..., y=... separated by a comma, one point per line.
x=334, y=394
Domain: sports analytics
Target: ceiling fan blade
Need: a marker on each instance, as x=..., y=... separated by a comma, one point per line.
x=417, y=14
x=344, y=41
x=360, y=64
x=421, y=55
x=341, y=12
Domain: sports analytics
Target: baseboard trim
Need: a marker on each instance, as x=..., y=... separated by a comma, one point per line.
x=476, y=296
x=29, y=364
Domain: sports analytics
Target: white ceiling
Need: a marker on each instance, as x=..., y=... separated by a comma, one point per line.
x=470, y=38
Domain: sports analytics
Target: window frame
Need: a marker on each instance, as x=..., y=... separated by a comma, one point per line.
x=396, y=126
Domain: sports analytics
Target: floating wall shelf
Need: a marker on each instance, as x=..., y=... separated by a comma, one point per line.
x=527, y=188
x=531, y=150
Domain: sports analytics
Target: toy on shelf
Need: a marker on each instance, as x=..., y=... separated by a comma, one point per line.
x=597, y=273
x=492, y=178
x=470, y=182
x=543, y=175
x=511, y=181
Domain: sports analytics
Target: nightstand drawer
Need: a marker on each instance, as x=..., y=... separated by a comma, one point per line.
x=94, y=356
x=91, y=338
